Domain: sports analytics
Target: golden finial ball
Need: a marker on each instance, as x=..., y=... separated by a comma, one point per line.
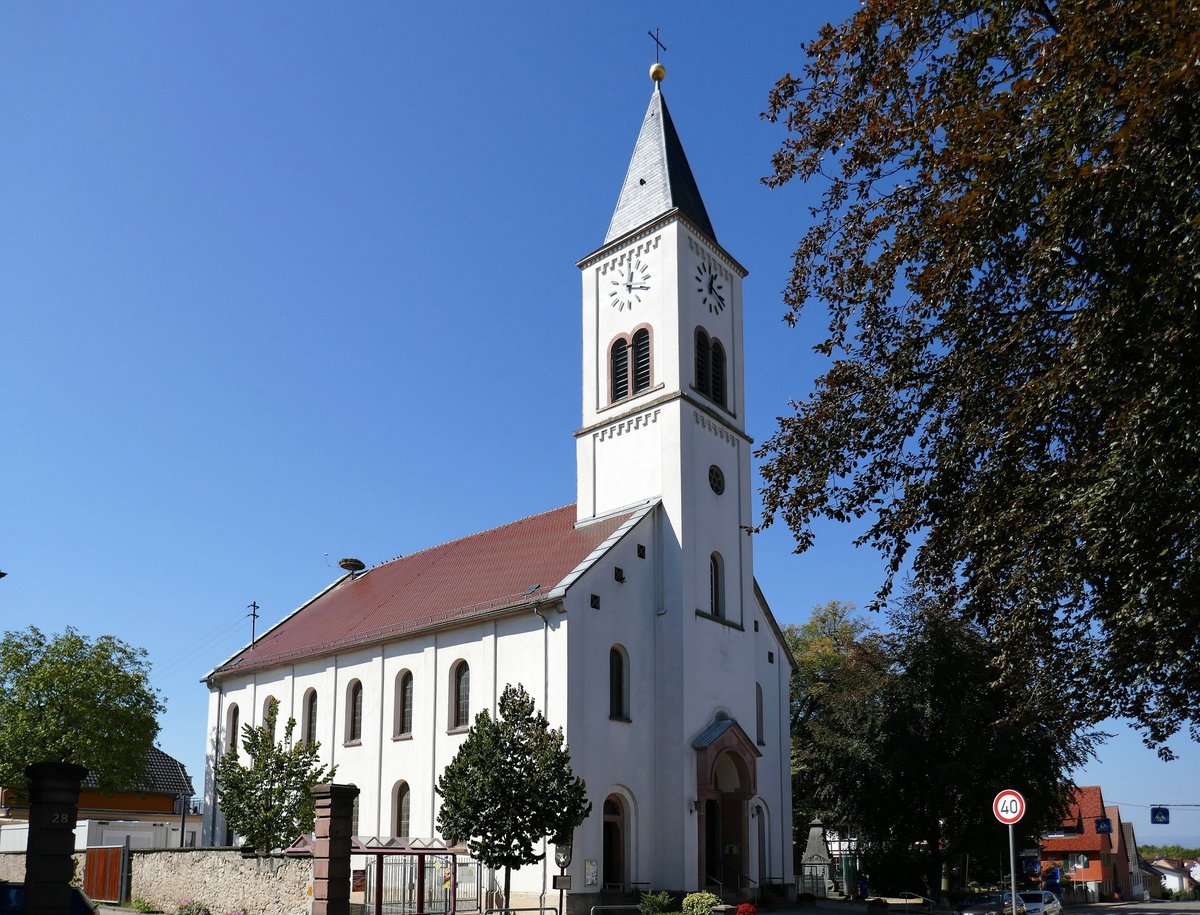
x=658, y=72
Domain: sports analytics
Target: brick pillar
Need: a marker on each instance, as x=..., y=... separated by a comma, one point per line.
x=331, y=854
x=53, y=805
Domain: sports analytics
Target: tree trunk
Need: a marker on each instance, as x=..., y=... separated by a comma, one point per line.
x=507, y=881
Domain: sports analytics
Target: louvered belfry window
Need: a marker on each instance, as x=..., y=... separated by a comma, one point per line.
x=711, y=374
x=641, y=361
x=718, y=372
x=703, y=370
x=619, y=370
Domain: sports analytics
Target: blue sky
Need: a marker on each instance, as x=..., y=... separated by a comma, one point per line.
x=282, y=282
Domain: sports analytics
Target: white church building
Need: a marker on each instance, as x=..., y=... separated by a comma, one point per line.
x=632, y=617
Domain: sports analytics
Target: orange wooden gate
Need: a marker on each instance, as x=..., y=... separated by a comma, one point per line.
x=104, y=873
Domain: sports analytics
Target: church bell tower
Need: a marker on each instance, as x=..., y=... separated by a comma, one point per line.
x=663, y=397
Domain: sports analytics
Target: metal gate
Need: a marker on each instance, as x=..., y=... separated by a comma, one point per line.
x=106, y=873
x=400, y=884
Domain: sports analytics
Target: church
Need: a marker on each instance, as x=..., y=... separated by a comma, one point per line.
x=632, y=616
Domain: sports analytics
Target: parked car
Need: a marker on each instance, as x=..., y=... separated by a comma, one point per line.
x=992, y=904
x=1040, y=902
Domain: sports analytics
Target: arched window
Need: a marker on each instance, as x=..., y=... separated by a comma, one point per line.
x=404, y=706
x=758, y=714
x=619, y=369
x=618, y=684
x=460, y=695
x=641, y=360
x=309, y=730
x=231, y=731
x=703, y=363
x=400, y=808
x=630, y=365
x=711, y=374
x=354, y=711
x=716, y=586
x=718, y=372
x=268, y=704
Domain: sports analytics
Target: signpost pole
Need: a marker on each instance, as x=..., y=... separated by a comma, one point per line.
x=1009, y=807
x=1012, y=866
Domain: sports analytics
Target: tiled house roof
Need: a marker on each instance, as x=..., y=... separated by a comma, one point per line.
x=510, y=566
x=167, y=775
x=1085, y=807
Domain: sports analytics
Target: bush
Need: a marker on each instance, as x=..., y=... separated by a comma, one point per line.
x=699, y=903
x=655, y=903
x=146, y=908
x=746, y=909
x=192, y=907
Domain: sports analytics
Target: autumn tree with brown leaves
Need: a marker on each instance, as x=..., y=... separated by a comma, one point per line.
x=1008, y=246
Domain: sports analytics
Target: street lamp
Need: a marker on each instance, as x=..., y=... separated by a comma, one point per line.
x=562, y=857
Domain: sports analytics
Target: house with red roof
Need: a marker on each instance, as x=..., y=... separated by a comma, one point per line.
x=160, y=812
x=1077, y=858
x=631, y=616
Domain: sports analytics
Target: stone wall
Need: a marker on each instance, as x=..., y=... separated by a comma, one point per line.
x=220, y=878
x=12, y=867
x=223, y=880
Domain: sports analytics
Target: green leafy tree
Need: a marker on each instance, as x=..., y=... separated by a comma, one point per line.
x=1008, y=248
x=71, y=699
x=836, y=713
x=908, y=735
x=510, y=785
x=269, y=802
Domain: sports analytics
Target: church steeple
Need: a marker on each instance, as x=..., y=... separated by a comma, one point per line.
x=663, y=404
x=659, y=178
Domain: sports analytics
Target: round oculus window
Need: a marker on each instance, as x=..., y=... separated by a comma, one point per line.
x=716, y=479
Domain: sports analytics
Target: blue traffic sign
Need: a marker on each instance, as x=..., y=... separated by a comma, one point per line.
x=1160, y=815
x=1103, y=825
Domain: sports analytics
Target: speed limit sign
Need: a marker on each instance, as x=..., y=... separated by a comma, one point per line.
x=1008, y=806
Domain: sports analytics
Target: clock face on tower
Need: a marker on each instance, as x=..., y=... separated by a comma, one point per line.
x=631, y=281
x=710, y=286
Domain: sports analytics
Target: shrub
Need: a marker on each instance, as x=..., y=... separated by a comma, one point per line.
x=746, y=909
x=699, y=903
x=655, y=903
x=192, y=907
x=146, y=908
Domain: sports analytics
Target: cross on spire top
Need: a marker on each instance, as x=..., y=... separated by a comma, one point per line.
x=658, y=45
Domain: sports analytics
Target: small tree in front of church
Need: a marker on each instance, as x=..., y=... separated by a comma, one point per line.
x=269, y=802
x=510, y=786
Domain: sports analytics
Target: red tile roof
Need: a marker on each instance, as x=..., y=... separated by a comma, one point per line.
x=1086, y=805
x=444, y=585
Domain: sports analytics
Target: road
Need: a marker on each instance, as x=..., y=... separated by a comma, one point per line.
x=1153, y=907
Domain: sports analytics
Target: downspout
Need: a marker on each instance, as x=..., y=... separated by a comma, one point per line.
x=212, y=808
x=379, y=759
x=546, y=708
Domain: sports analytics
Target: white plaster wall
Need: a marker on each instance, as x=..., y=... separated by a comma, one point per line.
x=613, y=756
x=379, y=760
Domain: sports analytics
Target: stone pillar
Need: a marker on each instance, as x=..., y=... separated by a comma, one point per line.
x=53, y=806
x=331, y=852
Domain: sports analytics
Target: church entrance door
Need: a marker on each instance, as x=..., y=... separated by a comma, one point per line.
x=725, y=782
x=614, y=843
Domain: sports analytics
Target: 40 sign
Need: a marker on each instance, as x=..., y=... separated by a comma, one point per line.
x=1008, y=806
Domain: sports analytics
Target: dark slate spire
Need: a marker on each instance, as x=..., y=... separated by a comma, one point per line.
x=659, y=177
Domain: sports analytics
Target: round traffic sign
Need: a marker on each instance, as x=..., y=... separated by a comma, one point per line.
x=1008, y=806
